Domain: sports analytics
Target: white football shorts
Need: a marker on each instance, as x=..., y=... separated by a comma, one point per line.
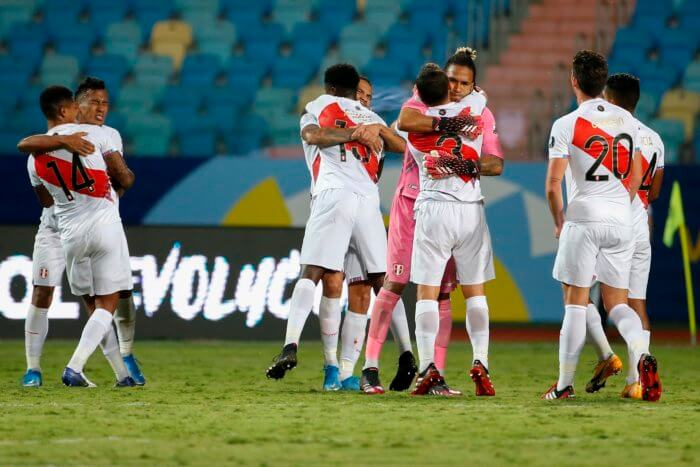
x=97, y=262
x=590, y=251
x=445, y=229
x=340, y=218
x=641, y=261
x=48, y=261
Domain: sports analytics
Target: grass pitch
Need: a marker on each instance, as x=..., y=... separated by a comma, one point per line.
x=209, y=403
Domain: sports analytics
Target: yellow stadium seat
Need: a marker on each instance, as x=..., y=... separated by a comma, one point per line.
x=309, y=93
x=681, y=99
x=172, y=31
x=171, y=49
x=685, y=116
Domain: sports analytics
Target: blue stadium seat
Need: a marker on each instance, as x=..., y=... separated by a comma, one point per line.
x=290, y=13
x=226, y=102
x=9, y=139
x=310, y=41
x=404, y=32
x=386, y=72
x=269, y=101
x=336, y=15
x=659, y=73
x=653, y=7
x=405, y=50
x=654, y=23
x=149, y=12
x=260, y=32
x=106, y=12
x=245, y=75
x=28, y=41
x=205, y=5
x=291, y=72
x=183, y=96
x=198, y=143
x=360, y=31
x=357, y=52
x=135, y=98
x=8, y=102
x=646, y=107
x=28, y=120
x=124, y=31
x=382, y=14
x=200, y=70
x=110, y=68
x=15, y=72
x=427, y=22
x=247, y=136
x=150, y=134
x=151, y=69
x=12, y=15
x=64, y=12
x=244, y=13
x=59, y=69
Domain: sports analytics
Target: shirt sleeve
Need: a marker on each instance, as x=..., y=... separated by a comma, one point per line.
x=559, y=140
x=104, y=142
x=308, y=119
x=117, y=140
x=31, y=170
x=660, y=158
x=491, y=144
x=415, y=103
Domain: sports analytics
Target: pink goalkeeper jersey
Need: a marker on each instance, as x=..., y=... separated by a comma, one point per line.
x=409, y=180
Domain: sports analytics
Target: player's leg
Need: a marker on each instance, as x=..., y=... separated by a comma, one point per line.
x=125, y=321
x=329, y=322
x=608, y=364
x=352, y=335
x=474, y=262
x=574, y=267
x=326, y=241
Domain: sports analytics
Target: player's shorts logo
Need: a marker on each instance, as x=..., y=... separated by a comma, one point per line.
x=398, y=269
x=43, y=273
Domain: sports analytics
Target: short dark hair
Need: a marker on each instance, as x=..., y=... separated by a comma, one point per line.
x=343, y=77
x=432, y=84
x=365, y=78
x=463, y=56
x=624, y=89
x=591, y=72
x=52, y=98
x=89, y=84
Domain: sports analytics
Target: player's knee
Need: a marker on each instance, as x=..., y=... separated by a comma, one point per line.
x=313, y=273
x=42, y=296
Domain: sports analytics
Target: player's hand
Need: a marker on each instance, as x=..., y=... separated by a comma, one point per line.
x=368, y=135
x=557, y=231
x=76, y=143
x=441, y=164
x=470, y=125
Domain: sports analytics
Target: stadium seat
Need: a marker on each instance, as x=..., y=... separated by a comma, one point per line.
x=357, y=52
x=171, y=32
x=183, y=96
x=13, y=15
x=150, y=134
x=646, y=107
x=9, y=139
x=15, y=72
x=224, y=105
x=175, y=51
x=245, y=75
x=657, y=74
x=386, y=71
x=154, y=70
x=289, y=13
x=220, y=31
x=291, y=72
x=27, y=41
x=335, y=15
x=197, y=144
x=110, y=68
x=105, y=12
x=124, y=31
x=149, y=12
x=200, y=70
x=135, y=98
x=382, y=14
x=28, y=121
x=654, y=23
x=360, y=31
x=672, y=132
x=308, y=94
x=247, y=136
x=653, y=7
x=681, y=105
x=59, y=69
x=204, y=5
x=244, y=13
x=310, y=41
x=271, y=100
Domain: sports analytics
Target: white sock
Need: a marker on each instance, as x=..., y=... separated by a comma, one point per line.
x=478, y=328
x=36, y=327
x=299, y=309
x=110, y=349
x=399, y=328
x=595, y=332
x=125, y=319
x=329, y=319
x=353, y=338
x=630, y=327
x=94, y=331
x=632, y=370
x=427, y=325
x=571, y=340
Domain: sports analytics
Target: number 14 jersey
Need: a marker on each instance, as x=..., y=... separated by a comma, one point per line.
x=599, y=140
x=81, y=189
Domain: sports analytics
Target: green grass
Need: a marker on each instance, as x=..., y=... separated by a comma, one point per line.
x=209, y=403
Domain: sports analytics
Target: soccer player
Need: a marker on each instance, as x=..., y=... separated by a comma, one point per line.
x=623, y=90
x=93, y=103
x=92, y=237
x=599, y=140
x=450, y=222
x=345, y=199
x=461, y=72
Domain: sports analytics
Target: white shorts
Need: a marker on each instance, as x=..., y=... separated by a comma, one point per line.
x=354, y=270
x=338, y=219
x=590, y=251
x=97, y=263
x=641, y=262
x=48, y=261
x=445, y=229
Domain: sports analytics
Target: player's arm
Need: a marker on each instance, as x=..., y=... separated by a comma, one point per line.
x=491, y=162
x=636, y=175
x=326, y=137
x=412, y=120
x=43, y=195
x=119, y=173
x=553, y=190
x=491, y=165
x=367, y=135
x=46, y=143
x=657, y=181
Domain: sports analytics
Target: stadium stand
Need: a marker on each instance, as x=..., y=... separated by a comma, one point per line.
x=218, y=66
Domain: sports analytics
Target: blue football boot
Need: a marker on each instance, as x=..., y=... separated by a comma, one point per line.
x=32, y=379
x=127, y=382
x=331, y=379
x=72, y=378
x=350, y=384
x=134, y=370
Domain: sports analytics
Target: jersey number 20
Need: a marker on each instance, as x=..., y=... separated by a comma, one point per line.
x=605, y=150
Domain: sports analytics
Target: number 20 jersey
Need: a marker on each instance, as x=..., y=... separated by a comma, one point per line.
x=599, y=139
x=83, y=195
x=350, y=166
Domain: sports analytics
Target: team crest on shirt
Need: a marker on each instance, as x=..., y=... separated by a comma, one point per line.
x=398, y=269
x=43, y=273
x=443, y=112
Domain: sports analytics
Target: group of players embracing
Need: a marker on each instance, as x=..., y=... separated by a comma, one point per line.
x=438, y=236
x=78, y=173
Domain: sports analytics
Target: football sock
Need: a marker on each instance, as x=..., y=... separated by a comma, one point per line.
x=630, y=327
x=594, y=328
x=427, y=325
x=478, y=328
x=443, y=336
x=301, y=303
x=329, y=320
x=94, y=331
x=352, y=337
x=384, y=309
x=571, y=340
x=399, y=327
x=632, y=370
x=36, y=326
x=125, y=319
x=110, y=349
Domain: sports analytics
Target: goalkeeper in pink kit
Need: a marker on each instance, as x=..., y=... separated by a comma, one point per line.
x=461, y=73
